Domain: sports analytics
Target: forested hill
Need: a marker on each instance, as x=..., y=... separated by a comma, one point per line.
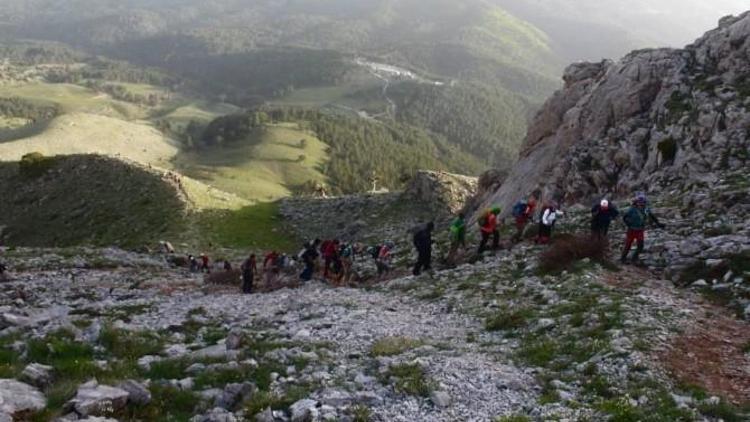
x=475, y=71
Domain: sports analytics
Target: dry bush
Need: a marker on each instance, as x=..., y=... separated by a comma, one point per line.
x=223, y=277
x=567, y=250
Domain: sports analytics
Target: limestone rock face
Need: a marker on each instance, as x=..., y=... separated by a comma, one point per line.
x=657, y=120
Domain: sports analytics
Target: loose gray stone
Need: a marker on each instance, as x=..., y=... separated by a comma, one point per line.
x=440, y=398
x=303, y=410
x=38, y=375
x=137, y=392
x=93, y=399
x=17, y=398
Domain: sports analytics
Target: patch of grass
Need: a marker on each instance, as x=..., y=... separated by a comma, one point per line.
x=167, y=404
x=212, y=335
x=361, y=413
x=507, y=319
x=411, y=379
x=434, y=294
x=130, y=345
x=70, y=359
x=538, y=351
x=167, y=369
x=391, y=346
x=254, y=227
x=265, y=399
x=598, y=386
x=513, y=418
x=722, y=410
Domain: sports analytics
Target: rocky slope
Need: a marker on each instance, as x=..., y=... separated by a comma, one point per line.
x=107, y=333
x=674, y=123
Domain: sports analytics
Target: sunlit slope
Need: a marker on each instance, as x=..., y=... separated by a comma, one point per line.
x=82, y=133
x=268, y=165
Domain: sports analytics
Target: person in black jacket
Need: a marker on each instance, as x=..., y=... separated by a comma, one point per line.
x=602, y=215
x=423, y=244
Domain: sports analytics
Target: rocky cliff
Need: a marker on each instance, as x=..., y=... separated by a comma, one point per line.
x=657, y=120
x=673, y=123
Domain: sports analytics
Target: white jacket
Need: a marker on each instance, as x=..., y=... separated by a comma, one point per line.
x=549, y=216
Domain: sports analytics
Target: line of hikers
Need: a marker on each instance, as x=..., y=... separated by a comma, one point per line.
x=338, y=257
x=636, y=219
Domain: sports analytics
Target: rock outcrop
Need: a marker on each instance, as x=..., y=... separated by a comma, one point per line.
x=658, y=120
x=445, y=191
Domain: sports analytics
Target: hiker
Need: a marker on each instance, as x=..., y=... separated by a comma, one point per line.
x=523, y=212
x=383, y=255
x=550, y=214
x=204, y=264
x=249, y=269
x=602, y=215
x=346, y=254
x=457, y=237
x=488, y=227
x=423, y=244
x=309, y=257
x=193, y=264
x=330, y=252
x=270, y=267
x=636, y=218
x=227, y=266
x=330, y=257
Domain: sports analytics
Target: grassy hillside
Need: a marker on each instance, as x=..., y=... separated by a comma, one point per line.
x=99, y=201
x=73, y=99
x=82, y=133
x=265, y=165
x=116, y=203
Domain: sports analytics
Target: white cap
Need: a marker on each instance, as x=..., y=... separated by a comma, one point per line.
x=604, y=203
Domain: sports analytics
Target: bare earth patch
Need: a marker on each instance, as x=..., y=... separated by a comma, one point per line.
x=711, y=356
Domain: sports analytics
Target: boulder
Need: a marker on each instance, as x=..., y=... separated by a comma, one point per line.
x=18, y=399
x=234, y=394
x=216, y=415
x=440, y=398
x=93, y=399
x=38, y=375
x=137, y=392
x=303, y=410
x=234, y=340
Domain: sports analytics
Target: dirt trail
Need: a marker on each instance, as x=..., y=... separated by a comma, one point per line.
x=709, y=350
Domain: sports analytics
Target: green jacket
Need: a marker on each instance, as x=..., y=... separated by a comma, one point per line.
x=458, y=229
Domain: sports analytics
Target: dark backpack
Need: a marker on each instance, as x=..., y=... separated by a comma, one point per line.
x=519, y=209
x=375, y=251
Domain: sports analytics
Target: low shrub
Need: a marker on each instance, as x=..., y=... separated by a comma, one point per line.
x=35, y=164
x=565, y=251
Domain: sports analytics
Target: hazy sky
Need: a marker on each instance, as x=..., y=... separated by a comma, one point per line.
x=666, y=22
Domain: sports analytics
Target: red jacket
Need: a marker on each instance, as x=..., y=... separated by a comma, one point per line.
x=491, y=225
